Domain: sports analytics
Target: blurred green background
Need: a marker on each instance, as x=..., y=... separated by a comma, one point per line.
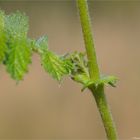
x=41, y=108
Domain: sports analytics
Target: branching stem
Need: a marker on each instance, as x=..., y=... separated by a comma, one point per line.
x=98, y=92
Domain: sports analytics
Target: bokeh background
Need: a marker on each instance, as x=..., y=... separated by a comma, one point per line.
x=41, y=108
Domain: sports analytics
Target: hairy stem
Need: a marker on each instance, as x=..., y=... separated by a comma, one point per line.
x=105, y=113
x=98, y=92
x=89, y=44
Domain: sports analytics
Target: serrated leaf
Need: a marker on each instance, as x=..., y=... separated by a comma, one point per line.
x=2, y=37
x=111, y=80
x=19, y=53
x=18, y=59
x=55, y=65
x=106, y=80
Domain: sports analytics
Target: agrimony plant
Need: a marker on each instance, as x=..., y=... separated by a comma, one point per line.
x=16, y=50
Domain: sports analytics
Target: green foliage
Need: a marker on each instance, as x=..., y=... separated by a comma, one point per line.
x=18, y=55
x=55, y=65
x=16, y=50
x=80, y=73
x=104, y=80
x=2, y=37
x=18, y=58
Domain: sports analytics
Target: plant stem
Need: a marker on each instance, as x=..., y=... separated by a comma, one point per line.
x=105, y=113
x=89, y=45
x=98, y=92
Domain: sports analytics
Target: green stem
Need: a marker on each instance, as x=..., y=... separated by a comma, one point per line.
x=105, y=113
x=98, y=92
x=89, y=44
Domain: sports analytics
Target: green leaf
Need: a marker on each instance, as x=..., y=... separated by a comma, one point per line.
x=111, y=80
x=56, y=66
x=2, y=37
x=18, y=59
x=106, y=80
x=19, y=52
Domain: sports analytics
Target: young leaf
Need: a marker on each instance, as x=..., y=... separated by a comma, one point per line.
x=19, y=52
x=2, y=37
x=55, y=65
x=80, y=73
